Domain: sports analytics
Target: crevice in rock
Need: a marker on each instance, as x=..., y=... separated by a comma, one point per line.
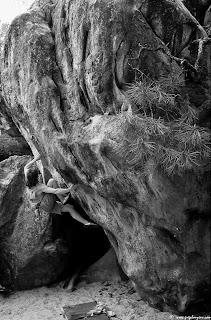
x=83, y=93
x=75, y=160
x=79, y=166
x=85, y=40
x=66, y=21
x=66, y=30
x=58, y=77
x=119, y=86
x=58, y=89
x=83, y=96
x=55, y=125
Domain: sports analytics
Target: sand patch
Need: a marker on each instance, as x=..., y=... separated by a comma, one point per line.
x=45, y=303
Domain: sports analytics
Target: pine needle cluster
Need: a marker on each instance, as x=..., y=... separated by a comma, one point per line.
x=157, y=98
x=173, y=141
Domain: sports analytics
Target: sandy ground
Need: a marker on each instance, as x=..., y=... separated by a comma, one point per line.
x=45, y=303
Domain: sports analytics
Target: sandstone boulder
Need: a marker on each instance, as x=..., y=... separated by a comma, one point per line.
x=66, y=68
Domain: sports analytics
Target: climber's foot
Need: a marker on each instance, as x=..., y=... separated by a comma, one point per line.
x=90, y=225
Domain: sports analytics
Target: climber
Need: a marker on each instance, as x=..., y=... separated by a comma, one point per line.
x=49, y=198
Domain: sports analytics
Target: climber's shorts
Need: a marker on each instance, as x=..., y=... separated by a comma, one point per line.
x=49, y=204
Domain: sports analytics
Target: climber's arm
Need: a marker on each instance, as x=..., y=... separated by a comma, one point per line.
x=28, y=165
x=47, y=189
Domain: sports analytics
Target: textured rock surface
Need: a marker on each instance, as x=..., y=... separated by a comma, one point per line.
x=27, y=258
x=11, y=141
x=64, y=71
x=12, y=146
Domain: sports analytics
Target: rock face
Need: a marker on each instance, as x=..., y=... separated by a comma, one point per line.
x=12, y=146
x=28, y=259
x=11, y=141
x=66, y=68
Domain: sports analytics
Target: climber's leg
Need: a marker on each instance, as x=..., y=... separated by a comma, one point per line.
x=75, y=215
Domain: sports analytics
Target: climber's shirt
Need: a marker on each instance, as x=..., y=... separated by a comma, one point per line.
x=46, y=201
